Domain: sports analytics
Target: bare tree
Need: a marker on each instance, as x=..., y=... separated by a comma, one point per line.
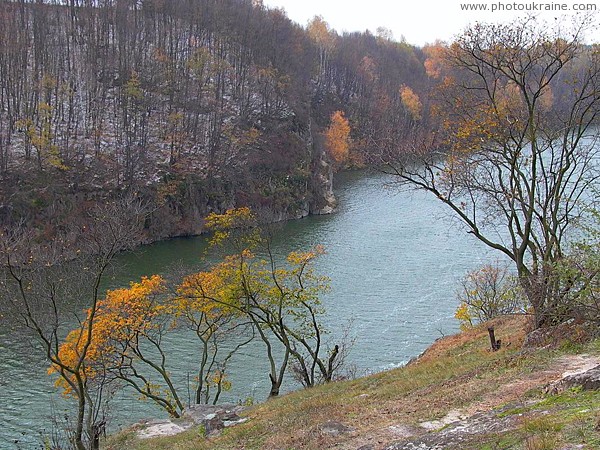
x=42, y=277
x=520, y=152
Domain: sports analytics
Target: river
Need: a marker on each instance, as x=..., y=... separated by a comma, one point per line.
x=394, y=259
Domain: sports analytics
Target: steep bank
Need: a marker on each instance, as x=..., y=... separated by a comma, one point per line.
x=458, y=394
x=192, y=106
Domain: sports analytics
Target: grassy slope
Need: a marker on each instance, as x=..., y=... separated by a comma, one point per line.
x=457, y=372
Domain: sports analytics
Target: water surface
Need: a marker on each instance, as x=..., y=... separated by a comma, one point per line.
x=394, y=259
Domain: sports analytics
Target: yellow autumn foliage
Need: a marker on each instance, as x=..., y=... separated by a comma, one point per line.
x=225, y=225
x=121, y=315
x=412, y=103
x=337, y=137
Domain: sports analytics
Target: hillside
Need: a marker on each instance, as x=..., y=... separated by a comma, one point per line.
x=458, y=394
x=192, y=106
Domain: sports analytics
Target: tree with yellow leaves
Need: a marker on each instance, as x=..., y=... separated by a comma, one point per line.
x=214, y=324
x=280, y=300
x=337, y=138
x=128, y=343
x=128, y=325
x=412, y=103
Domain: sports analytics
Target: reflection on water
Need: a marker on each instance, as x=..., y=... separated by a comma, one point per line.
x=394, y=261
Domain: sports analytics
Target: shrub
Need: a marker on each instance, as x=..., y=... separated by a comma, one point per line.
x=488, y=292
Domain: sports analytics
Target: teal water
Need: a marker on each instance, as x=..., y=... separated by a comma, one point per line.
x=394, y=258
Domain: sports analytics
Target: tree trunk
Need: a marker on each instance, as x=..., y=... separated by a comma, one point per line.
x=78, y=438
x=334, y=354
x=495, y=344
x=275, y=385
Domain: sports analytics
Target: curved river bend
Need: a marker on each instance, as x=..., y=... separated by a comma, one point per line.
x=394, y=260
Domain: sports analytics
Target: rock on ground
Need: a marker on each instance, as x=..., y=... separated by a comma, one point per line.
x=453, y=435
x=588, y=380
x=334, y=428
x=212, y=418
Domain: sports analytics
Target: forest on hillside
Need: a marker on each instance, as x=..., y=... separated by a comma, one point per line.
x=194, y=106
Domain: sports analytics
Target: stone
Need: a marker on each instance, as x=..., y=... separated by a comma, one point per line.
x=457, y=434
x=335, y=428
x=212, y=418
x=161, y=428
x=453, y=416
x=404, y=431
x=201, y=413
x=588, y=381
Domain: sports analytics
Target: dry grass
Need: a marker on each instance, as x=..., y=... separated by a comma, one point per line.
x=457, y=372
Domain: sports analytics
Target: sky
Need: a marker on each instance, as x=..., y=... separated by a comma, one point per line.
x=422, y=21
